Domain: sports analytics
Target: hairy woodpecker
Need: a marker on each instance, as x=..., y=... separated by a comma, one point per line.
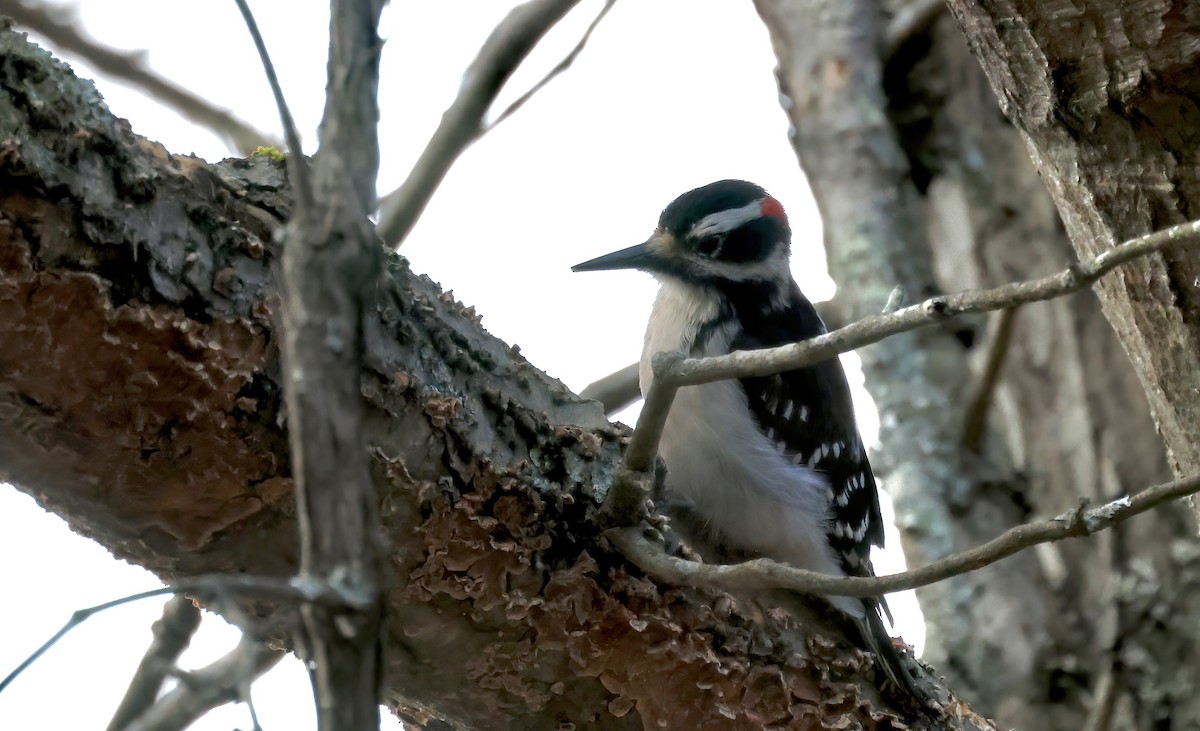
x=770, y=466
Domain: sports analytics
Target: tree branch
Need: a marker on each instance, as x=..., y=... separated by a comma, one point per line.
x=330, y=272
x=975, y=421
x=761, y=574
x=226, y=680
x=620, y=388
x=616, y=390
x=462, y=123
x=559, y=68
x=214, y=588
x=131, y=67
x=172, y=634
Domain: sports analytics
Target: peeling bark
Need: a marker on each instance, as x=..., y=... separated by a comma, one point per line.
x=140, y=400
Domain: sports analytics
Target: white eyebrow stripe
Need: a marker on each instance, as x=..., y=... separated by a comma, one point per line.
x=727, y=220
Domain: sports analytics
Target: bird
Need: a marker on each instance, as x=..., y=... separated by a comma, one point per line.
x=771, y=466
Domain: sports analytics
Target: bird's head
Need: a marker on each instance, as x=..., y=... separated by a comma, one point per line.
x=729, y=232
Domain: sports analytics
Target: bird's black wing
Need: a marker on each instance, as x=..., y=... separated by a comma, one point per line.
x=808, y=414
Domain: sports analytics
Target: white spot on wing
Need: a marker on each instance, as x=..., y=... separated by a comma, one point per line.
x=861, y=530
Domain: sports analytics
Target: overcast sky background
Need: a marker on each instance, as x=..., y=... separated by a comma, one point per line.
x=669, y=95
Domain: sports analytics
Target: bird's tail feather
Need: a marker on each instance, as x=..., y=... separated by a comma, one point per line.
x=878, y=641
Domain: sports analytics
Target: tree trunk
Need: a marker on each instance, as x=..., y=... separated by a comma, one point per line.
x=1104, y=96
x=140, y=399
x=924, y=184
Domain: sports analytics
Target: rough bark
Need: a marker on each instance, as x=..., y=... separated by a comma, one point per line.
x=140, y=399
x=1070, y=418
x=1103, y=95
x=1107, y=96
x=939, y=192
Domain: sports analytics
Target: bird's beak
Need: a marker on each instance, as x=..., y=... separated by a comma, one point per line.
x=635, y=257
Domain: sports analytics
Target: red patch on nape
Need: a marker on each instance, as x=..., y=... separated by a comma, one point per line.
x=773, y=208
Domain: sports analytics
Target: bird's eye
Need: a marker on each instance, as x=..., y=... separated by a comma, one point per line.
x=710, y=246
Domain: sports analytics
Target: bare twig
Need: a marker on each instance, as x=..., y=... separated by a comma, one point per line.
x=214, y=588
x=975, y=423
x=462, y=123
x=65, y=33
x=762, y=574
x=249, y=701
x=297, y=168
x=172, y=634
x=562, y=66
x=78, y=618
x=202, y=690
x=673, y=374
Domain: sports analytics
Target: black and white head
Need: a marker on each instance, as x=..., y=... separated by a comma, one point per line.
x=727, y=233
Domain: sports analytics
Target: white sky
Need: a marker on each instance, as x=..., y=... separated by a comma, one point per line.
x=669, y=95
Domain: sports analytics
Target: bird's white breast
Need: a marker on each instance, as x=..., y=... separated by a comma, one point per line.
x=719, y=460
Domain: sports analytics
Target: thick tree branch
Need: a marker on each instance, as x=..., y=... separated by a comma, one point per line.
x=463, y=121
x=763, y=574
x=131, y=67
